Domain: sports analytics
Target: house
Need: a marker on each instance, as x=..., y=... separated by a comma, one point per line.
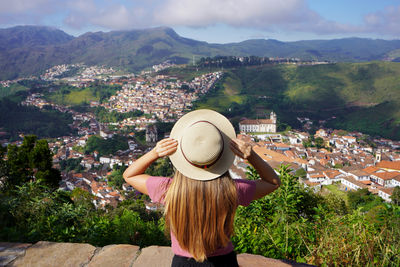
x=314, y=186
x=105, y=160
x=370, y=170
x=269, y=155
x=352, y=184
x=385, y=179
x=316, y=177
x=106, y=134
x=359, y=175
x=385, y=193
x=259, y=125
x=321, y=133
x=349, y=139
x=396, y=181
x=332, y=176
x=294, y=140
x=389, y=165
x=282, y=146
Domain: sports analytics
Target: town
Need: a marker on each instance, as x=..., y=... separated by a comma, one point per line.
x=325, y=157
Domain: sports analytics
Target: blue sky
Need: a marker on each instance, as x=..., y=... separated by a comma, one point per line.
x=215, y=21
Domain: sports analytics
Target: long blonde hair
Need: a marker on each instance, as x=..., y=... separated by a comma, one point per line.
x=201, y=213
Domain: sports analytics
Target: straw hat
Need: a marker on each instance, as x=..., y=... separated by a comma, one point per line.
x=203, y=144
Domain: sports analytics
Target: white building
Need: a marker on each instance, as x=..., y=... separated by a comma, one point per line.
x=386, y=193
x=352, y=184
x=259, y=126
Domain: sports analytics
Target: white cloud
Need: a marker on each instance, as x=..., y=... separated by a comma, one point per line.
x=232, y=12
x=384, y=22
x=270, y=15
x=27, y=11
x=118, y=17
x=21, y=6
x=109, y=15
x=267, y=16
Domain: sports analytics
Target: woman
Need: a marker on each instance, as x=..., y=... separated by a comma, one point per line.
x=201, y=199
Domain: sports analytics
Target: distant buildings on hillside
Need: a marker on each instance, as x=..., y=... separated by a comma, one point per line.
x=259, y=125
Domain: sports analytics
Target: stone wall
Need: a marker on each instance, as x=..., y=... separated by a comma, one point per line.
x=52, y=254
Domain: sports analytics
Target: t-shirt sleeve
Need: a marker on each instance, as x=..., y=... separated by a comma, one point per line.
x=246, y=190
x=156, y=187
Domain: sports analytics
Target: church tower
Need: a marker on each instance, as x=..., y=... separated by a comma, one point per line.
x=378, y=156
x=272, y=117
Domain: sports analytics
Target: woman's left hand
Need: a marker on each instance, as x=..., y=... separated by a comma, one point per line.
x=165, y=147
x=240, y=148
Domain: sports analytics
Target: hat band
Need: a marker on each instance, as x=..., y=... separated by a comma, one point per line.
x=212, y=163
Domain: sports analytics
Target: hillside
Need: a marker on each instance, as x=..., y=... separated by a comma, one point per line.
x=27, y=50
x=31, y=36
x=362, y=96
x=337, y=50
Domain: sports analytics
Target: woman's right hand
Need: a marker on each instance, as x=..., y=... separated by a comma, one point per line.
x=165, y=147
x=241, y=148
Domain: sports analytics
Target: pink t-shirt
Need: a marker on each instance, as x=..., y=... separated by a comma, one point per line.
x=156, y=187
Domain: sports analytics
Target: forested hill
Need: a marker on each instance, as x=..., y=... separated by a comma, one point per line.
x=352, y=96
x=26, y=50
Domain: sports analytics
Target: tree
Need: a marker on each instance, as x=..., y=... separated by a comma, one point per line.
x=161, y=167
x=30, y=161
x=115, y=178
x=301, y=173
x=396, y=195
x=251, y=173
x=319, y=142
x=82, y=198
x=363, y=198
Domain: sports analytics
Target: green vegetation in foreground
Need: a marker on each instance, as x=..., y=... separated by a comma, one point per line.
x=290, y=223
x=362, y=96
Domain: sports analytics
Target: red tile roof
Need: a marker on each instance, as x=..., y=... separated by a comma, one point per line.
x=370, y=169
x=392, y=165
x=331, y=174
x=387, y=190
x=386, y=175
x=262, y=121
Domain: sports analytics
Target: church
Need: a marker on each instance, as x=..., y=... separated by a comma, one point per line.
x=259, y=125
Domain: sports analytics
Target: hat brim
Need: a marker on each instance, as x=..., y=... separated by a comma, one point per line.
x=227, y=157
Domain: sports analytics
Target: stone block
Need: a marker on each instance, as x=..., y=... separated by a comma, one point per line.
x=50, y=254
x=115, y=255
x=154, y=256
x=10, y=251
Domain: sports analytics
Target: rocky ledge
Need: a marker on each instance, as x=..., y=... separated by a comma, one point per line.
x=51, y=254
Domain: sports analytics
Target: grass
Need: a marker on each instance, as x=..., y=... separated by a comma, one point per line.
x=226, y=93
x=12, y=89
x=334, y=189
x=232, y=86
x=74, y=97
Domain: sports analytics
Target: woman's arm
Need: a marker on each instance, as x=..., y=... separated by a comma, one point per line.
x=269, y=180
x=134, y=174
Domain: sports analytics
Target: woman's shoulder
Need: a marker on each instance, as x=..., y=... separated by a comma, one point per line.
x=246, y=190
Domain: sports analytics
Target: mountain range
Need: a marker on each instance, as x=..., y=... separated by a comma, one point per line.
x=29, y=50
